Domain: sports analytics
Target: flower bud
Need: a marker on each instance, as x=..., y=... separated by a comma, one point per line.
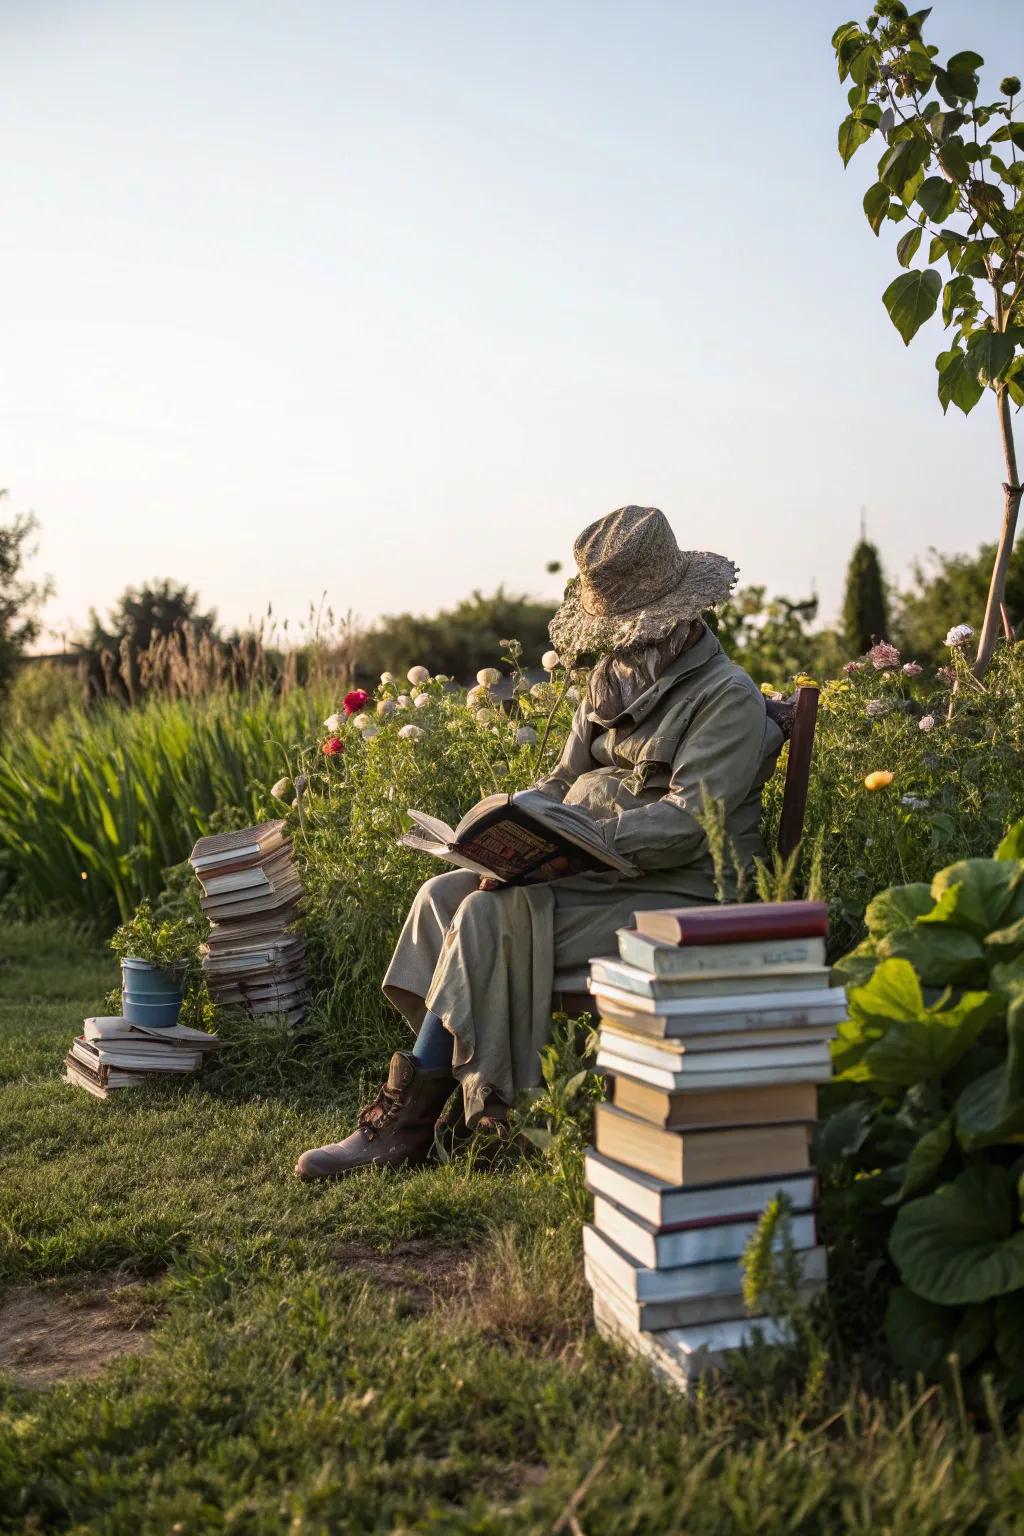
x=418, y=675
x=488, y=677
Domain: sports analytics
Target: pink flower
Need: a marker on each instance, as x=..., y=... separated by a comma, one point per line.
x=913, y=668
x=355, y=701
x=333, y=746
x=883, y=656
x=926, y=723
x=852, y=666
x=875, y=707
x=947, y=674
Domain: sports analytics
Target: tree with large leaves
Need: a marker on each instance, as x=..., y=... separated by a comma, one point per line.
x=950, y=169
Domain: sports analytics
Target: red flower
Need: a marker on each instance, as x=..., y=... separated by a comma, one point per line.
x=355, y=701
x=333, y=746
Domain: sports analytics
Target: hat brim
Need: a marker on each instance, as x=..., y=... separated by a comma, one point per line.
x=708, y=580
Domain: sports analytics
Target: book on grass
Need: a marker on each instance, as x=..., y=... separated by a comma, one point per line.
x=773, y=957
x=665, y=1204
x=249, y=843
x=709, y=1052
x=698, y=1072
x=685, y=1282
x=504, y=837
x=715, y=1242
x=682, y=1017
x=721, y=1108
x=681, y=1356
x=730, y=924
x=180, y=1036
x=627, y=983
x=700, y=1157
x=100, y=1083
x=126, y=1057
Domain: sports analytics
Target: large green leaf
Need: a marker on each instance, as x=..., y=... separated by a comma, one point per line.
x=1006, y=943
x=1010, y=1331
x=857, y=967
x=974, y=894
x=938, y=197
x=906, y=246
x=852, y=134
x=990, y=353
x=941, y=954
x=958, y=381
x=922, y=1335
x=911, y=300
x=892, y=1038
x=876, y=205
x=991, y=1108
x=1012, y=845
x=924, y=1162
x=897, y=907
x=962, y=1243
x=902, y=162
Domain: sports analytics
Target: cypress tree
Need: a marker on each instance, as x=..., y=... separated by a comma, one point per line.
x=865, y=618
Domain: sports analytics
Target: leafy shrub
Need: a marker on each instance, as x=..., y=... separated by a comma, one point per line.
x=957, y=782
x=925, y=1153
x=170, y=943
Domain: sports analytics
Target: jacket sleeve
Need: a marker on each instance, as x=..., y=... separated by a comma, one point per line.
x=575, y=758
x=723, y=749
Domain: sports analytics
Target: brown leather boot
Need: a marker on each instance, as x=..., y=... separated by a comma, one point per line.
x=398, y=1127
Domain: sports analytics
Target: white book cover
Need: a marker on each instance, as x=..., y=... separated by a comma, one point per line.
x=663, y=1204
x=714, y=1053
x=681, y=1356
x=626, y=987
x=689, y=1245
x=743, y=1077
x=763, y=957
x=722, y=1277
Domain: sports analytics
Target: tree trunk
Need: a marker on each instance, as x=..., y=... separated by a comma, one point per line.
x=1011, y=506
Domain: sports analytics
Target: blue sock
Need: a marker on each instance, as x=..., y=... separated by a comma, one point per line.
x=434, y=1046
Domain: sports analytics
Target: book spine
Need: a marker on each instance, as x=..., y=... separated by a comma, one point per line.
x=754, y=923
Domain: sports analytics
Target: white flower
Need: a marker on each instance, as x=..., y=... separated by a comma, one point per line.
x=873, y=708
x=958, y=636
x=334, y=723
x=418, y=675
x=487, y=677
x=442, y=678
x=387, y=677
x=360, y=721
x=422, y=700
x=525, y=736
x=404, y=701
x=386, y=707
x=550, y=660
x=411, y=732
x=926, y=723
x=281, y=788
x=369, y=732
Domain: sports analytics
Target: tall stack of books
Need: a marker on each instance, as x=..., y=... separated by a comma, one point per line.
x=254, y=958
x=715, y=1029
x=111, y=1053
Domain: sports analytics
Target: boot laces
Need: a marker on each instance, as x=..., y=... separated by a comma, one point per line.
x=374, y=1117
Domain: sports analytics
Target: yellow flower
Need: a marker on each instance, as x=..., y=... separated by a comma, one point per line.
x=880, y=779
x=805, y=680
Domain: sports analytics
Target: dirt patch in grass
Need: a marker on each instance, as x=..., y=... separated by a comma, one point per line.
x=425, y=1272
x=50, y=1334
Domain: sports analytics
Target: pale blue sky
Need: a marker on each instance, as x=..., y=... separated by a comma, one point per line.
x=390, y=299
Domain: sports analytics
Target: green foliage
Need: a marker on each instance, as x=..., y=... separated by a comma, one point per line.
x=93, y=812
x=451, y=642
x=923, y=1146
x=865, y=616
x=170, y=943
x=558, y=1116
x=943, y=160
x=951, y=585
x=774, y=639
x=20, y=600
x=41, y=692
x=143, y=613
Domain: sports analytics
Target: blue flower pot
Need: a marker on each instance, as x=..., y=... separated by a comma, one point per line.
x=151, y=995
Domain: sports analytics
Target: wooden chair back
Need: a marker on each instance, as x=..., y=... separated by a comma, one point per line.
x=796, y=717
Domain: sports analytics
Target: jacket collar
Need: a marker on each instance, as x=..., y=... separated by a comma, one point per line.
x=691, y=660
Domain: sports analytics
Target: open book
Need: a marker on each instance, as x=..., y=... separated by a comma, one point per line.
x=507, y=836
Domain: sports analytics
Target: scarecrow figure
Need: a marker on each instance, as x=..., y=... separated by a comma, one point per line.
x=666, y=712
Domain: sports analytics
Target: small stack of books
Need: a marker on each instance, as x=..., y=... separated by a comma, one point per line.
x=715, y=1029
x=110, y=1053
x=253, y=958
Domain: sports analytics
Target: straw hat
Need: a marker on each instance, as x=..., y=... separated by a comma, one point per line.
x=635, y=584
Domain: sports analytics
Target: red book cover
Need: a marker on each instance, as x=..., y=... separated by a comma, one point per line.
x=735, y=924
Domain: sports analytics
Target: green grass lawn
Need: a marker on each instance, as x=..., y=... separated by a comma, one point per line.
x=403, y=1352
